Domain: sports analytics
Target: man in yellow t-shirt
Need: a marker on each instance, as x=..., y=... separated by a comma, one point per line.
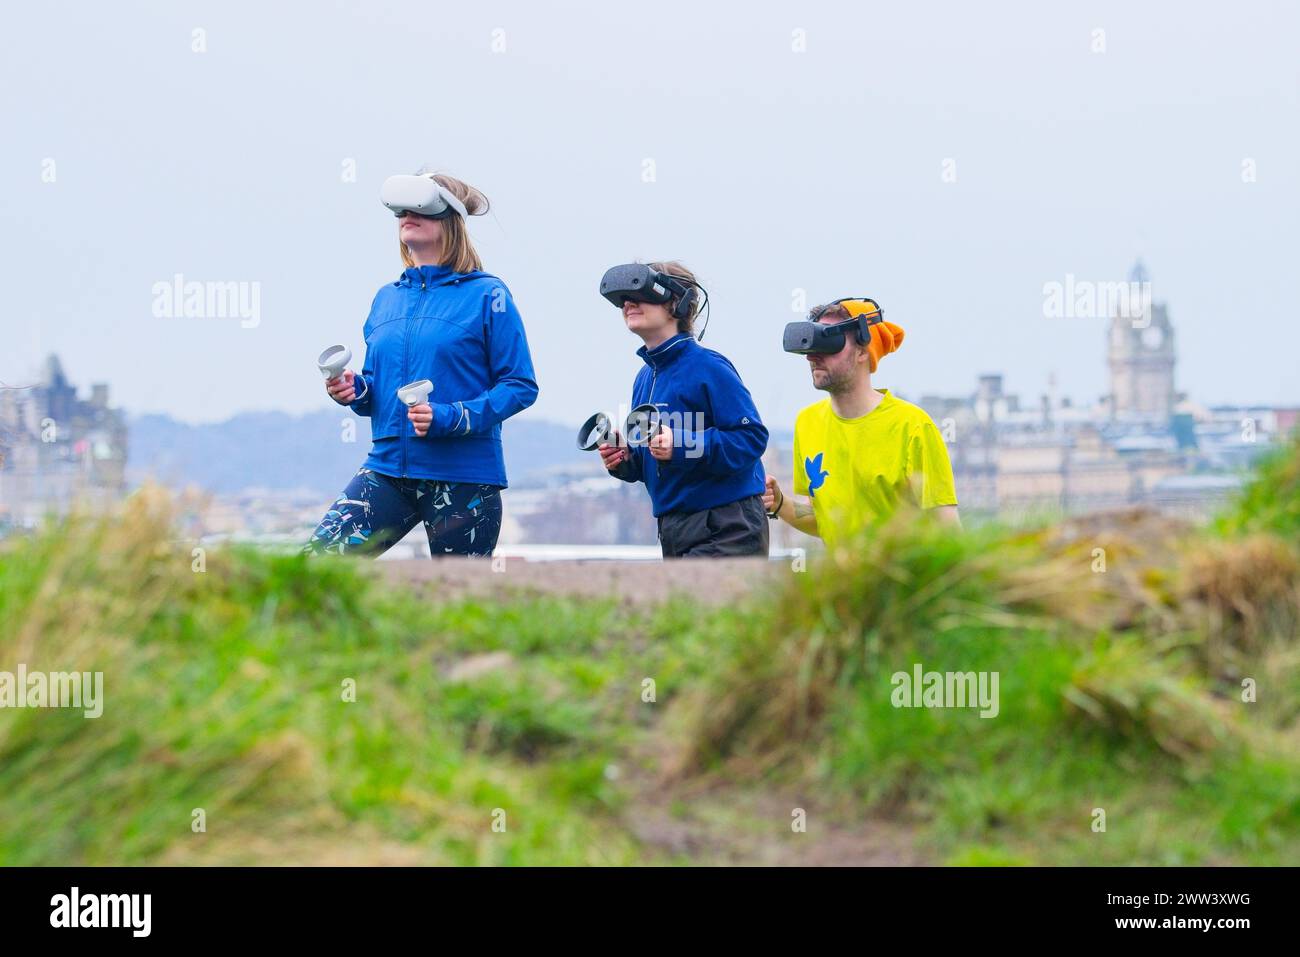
x=861, y=451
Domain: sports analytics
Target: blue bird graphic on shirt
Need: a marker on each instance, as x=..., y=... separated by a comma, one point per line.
x=816, y=475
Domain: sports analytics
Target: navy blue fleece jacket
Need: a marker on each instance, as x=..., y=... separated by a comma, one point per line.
x=718, y=438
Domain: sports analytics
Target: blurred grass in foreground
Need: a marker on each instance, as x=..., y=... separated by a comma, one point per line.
x=1119, y=689
x=1122, y=642
x=224, y=692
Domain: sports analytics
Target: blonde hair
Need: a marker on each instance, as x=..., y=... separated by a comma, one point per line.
x=458, y=250
x=673, y=268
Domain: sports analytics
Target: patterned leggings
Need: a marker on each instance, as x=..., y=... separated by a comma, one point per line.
x=376, y=511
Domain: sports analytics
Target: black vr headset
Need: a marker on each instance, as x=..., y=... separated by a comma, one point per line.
x=816, y=338
x=640, y=283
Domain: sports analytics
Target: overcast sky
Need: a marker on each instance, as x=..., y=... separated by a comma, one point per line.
x=129, y=157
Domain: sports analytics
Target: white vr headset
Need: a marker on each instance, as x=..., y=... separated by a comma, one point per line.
x=421, y=195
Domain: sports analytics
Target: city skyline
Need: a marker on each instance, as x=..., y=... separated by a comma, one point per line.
x=1144, y=442
x=1163, y=325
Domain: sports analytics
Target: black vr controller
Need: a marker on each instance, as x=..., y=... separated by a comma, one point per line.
x=594, y=431
x=817, y=338
x=641, y=426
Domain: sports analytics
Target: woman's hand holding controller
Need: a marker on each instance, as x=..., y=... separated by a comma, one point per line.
x=343, y=389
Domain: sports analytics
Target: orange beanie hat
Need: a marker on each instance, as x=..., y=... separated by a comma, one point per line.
x=885, y=336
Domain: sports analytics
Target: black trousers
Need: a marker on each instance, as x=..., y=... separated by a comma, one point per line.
x=738, y=528
x=376, y=511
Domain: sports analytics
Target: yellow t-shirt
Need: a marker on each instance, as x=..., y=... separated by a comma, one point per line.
x=857, y=470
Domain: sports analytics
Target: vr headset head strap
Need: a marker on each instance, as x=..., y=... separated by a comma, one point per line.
x=684, y=293
x=448, y=197
x=864, y=320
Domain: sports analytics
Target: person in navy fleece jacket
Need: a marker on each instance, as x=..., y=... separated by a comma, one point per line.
x=703, y=469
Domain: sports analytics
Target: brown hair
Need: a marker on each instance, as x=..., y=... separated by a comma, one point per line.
x=458, y=250
x=833, y=311
x=673, y=268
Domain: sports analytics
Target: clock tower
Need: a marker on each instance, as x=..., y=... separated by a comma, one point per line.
x=1140, y=355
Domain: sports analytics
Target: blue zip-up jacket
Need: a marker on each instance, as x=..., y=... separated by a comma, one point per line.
x=718, y=438
x=463, y=333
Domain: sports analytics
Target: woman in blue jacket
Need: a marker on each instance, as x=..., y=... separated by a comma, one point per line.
x=445, y=320
x=703, y=466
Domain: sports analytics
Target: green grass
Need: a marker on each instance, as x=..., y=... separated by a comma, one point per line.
x=1112, y=697
x=225, y=692
x=1271, y=499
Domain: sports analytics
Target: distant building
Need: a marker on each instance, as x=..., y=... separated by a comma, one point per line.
x=573, y=507
x=1141, y=359
x=56, y=448
x=1143, y=443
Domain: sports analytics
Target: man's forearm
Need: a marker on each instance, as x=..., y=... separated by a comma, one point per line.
x=799, y=515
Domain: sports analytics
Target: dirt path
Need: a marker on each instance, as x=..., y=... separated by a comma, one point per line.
x=735, y=825
x=715, y=582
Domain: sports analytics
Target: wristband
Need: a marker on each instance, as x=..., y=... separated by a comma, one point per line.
x=776, y=512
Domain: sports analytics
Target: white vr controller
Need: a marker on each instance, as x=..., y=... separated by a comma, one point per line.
x=333, y=361
x=415, y=393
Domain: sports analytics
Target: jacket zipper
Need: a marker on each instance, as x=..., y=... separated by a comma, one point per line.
x=654, y=378
x=406, y=365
